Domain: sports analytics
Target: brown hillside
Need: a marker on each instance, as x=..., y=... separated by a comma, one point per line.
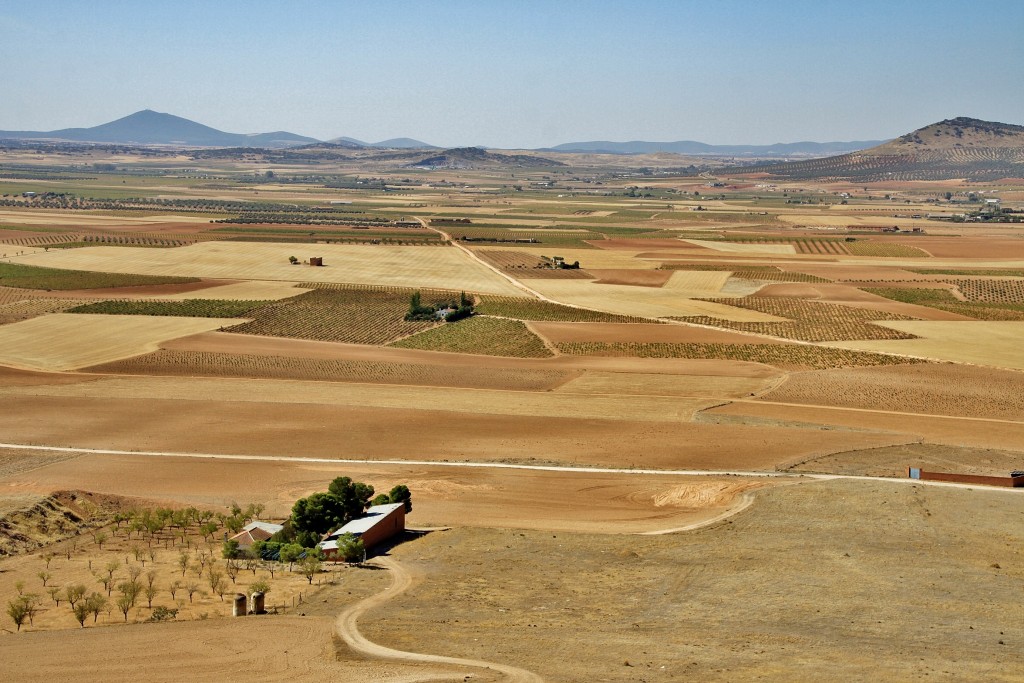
x=954, y=148
x=951, y=134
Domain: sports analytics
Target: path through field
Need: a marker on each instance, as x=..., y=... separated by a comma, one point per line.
x=483, y=465
x=348, y=630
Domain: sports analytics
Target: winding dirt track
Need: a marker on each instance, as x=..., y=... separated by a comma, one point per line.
x=348, y=629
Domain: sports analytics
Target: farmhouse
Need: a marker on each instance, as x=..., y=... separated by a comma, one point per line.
x=255, y=531
x=380, y=523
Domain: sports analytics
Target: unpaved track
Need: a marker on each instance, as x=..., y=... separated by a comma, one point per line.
x=795, y=476
x=348, y=629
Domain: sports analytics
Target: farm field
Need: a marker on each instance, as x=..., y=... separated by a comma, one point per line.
x=641, y=301
x=945, y=389
x=744, y=348
x=65, y=341
x=982, y=343
x=402, y=266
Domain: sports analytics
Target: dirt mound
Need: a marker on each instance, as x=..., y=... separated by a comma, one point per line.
x=29, y=522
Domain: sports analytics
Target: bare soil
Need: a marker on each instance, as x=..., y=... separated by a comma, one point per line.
x=822, y=581
x=933, y=388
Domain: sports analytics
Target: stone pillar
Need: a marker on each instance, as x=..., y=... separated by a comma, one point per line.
x=238, y=608
x=257, y=603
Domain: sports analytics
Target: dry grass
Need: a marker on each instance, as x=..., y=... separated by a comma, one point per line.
x=654, y=302
x=402, y=266
x=64, y=341
x=979, y=342
x=933, y=388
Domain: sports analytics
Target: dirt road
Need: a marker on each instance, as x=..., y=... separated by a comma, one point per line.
x=348, y=629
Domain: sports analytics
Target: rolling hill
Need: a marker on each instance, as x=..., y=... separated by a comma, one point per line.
x=955, y=148
x=693, y=148
x=475, y=157
x=148, y=127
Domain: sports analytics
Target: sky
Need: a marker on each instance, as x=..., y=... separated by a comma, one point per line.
x=517, y=74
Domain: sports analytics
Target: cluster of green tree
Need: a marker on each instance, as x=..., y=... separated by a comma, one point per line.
x=451, y=311
x=344, y=500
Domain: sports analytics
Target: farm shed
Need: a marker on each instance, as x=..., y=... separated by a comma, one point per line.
x=1015, y=480
x=255, y=531
x=380, y=523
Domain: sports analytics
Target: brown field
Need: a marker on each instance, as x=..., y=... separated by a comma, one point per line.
x=933, y=388
x=402, y=266
x=64, y=341
x=852, y=296
x=198, y=363
x=810, y=320
x=644, y=301
x=620, y=494
x=630, y=276
x=979, y=342
x=529, y=266
x=688, y=615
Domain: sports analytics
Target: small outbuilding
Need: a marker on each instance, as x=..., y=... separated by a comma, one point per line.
x=255, y=531
x=380, y=523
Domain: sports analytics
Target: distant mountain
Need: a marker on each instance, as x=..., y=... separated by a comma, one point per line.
x=475, y=157
x=350, y=143
x=403, y=143
x=148, y=127
x=693, y=148
x=955, y=148
x=393, y=143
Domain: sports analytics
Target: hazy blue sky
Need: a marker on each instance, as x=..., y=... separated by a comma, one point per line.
x=518, y=74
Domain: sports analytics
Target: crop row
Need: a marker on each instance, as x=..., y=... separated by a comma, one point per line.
x=528, y=266
x=994, y=291
x=884, y=249
x=808, y=320
x=532, y=309
x=34, y=277
x=191, y=363
x=762, y=273
x=945, y=301
x=787, y=356
x=350, y=315
x=194, y=308
x=480, y=335
x=32, y=308
x=42, y=240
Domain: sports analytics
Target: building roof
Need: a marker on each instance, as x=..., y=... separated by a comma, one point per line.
x=269, y=527
x=256, y=531
x=357, y=527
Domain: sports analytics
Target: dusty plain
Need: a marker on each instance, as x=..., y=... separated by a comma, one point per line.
x=664, y=491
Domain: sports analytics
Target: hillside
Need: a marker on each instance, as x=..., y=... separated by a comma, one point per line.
x=149, y=127
x=955, y=148
x=475, y=157
x=778, y=150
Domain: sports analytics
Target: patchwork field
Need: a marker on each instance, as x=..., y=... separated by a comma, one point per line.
x=643, y=301
x=983, y=343
x=631, y=461
x=64, y=341
x=440, y=267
